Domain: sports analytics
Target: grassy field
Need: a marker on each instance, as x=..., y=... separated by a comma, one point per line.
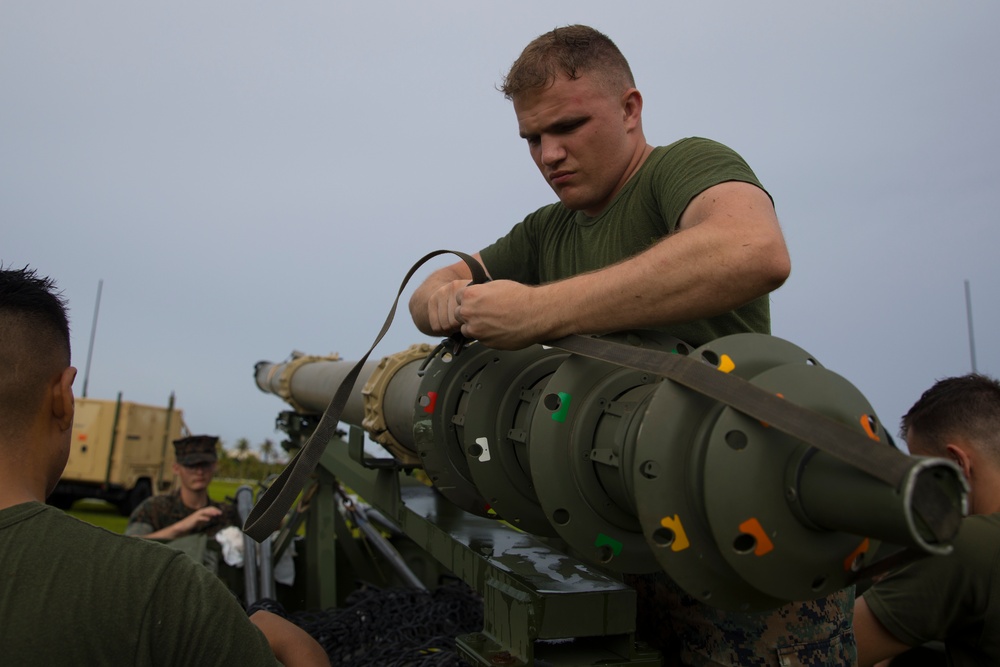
x=106, y=515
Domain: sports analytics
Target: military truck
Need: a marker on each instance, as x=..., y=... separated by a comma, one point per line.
x=120, y=452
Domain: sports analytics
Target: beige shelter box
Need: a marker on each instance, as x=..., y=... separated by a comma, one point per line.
x=120, y=451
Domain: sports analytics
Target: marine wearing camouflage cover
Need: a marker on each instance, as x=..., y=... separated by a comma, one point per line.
x=817, y=633
x=161, y=511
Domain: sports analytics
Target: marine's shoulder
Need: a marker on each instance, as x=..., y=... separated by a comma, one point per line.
x=15, y=514
x=56, y=528
x=982, y=522
x=689, y=146
x=979, y=536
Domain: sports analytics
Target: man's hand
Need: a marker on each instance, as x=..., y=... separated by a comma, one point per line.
x=198, y=519
x=432, y=305
x=442, y=308
x=502, y=314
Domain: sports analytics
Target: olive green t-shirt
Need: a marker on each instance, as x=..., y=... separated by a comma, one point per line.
x=953, y=598
x=73, y=594
x=555, y=243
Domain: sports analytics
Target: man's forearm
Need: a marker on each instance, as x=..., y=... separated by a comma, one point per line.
x=875, y=643
x=292, y=645
x=728, y=251
x=168, y=533
x=688, y=276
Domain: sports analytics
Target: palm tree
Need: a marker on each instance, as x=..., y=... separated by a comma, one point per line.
x=243, y=450
x=267, y=449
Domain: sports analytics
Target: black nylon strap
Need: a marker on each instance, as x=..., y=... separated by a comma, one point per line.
x=266, y=515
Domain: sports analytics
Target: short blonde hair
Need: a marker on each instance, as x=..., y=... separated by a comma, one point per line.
x=572, y=51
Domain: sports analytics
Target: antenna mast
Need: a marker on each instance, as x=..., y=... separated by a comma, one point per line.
x=968, y=311
x=93, y=332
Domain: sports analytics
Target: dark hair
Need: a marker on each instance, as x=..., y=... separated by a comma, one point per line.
x=966, y=406
x=34, y=344
x=572, y=51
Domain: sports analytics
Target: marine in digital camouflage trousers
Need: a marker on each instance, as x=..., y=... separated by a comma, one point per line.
x=161, y=511
x=815, y=633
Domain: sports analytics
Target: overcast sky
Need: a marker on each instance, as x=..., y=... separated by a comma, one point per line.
x=253, y=178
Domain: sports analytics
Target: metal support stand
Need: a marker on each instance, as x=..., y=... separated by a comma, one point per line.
x=321, y=544
x=266, y=569
x=244, y=502
x=533, y=594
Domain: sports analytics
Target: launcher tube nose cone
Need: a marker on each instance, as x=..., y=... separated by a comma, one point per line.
x=934, y=486
x=925, y=512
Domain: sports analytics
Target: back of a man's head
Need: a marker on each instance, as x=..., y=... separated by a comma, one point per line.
x=966, y=407
x=570, y=51
x=34, y=345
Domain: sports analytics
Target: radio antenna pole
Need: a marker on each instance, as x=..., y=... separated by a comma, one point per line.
x=93, y=332
x=968, y=311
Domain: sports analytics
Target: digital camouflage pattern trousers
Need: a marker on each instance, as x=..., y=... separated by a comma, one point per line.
x=815, y=633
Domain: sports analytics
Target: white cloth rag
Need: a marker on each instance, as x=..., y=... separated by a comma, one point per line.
x=232, y=542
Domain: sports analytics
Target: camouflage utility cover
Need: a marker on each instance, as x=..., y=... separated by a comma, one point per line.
x=196, y=449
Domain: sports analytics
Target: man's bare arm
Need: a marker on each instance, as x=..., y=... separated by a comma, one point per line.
x=875, y=643
x=185, y=526
x=728, y=251
x=292, y=646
